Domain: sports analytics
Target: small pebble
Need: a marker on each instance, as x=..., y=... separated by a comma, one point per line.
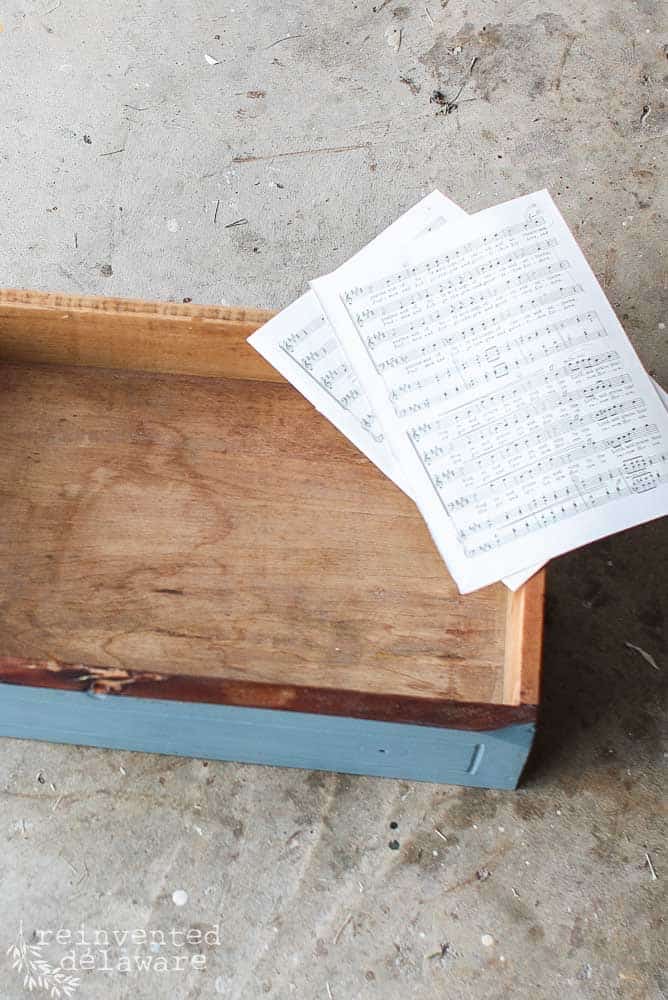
x=487, y=940
x=179, y=897
x=394, y=845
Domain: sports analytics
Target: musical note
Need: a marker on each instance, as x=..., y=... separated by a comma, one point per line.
x=519, y=417
x=510, y=391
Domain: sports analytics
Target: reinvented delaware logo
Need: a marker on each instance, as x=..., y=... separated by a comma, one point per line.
x=38, y=974
x=136, y=950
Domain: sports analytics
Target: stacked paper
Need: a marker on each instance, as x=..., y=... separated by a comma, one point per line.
x=478, y=363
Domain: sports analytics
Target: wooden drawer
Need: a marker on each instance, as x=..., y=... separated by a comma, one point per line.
x=196, y=562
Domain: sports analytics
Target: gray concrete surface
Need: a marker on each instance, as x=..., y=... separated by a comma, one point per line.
x=115, y=128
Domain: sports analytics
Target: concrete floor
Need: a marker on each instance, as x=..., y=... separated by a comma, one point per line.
x=118, y=140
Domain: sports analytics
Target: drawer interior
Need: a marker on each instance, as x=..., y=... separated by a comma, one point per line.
x=219, y=527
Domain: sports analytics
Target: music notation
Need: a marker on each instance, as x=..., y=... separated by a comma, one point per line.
x=506, y=388
x=303, y=345
x=478, y=364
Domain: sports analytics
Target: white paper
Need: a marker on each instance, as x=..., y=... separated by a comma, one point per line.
x=508, y=391
x=293, y=343
x=301, y=343
x=303, y=346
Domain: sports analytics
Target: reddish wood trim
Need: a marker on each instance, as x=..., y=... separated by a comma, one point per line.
x=474, y=716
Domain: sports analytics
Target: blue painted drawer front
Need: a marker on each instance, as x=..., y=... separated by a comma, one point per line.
x=261, y=736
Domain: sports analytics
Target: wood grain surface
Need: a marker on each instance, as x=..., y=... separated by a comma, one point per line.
x=222, y=528
x=47, y=328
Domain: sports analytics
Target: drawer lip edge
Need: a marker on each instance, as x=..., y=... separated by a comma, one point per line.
x=493, y=759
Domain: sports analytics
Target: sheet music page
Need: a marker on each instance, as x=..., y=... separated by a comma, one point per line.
x=302, y=345
x=511, y=396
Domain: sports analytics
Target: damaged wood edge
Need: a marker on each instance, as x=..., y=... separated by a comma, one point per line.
x=23, y=298
x=109, y=680
x=101, y=681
